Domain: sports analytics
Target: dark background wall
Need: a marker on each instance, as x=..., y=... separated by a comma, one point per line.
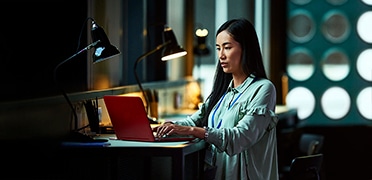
x=35, y=37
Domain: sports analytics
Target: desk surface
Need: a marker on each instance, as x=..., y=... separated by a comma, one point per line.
x=284, y=112
x=121, y=143
x=134, y=147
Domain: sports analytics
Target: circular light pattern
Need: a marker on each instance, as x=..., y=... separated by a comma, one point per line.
x=301, y=26
x=335, y=64
x=336, y=27
x=336, y=2
x=364, y=64
x=364, y=103
x=301, y=2
x=335, y=102
x=201, y=32
x=300, y=64
x=364, y=26
x=303, y=100
x=368, y=2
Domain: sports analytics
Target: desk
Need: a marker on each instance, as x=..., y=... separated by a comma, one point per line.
x=47, y=159
x=288, y=119
x=287, y=131
x=140, y=160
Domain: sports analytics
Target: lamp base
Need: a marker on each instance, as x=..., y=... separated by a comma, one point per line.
x=79, y=137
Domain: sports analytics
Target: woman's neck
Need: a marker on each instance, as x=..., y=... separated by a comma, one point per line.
x=238, y=79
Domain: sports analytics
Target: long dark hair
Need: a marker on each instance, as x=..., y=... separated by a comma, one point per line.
x=242, y=31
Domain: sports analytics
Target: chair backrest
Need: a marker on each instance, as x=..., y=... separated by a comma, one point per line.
x=306, y=167
x=311, y=143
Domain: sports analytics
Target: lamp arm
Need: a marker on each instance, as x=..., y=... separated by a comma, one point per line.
x=60, y=87
x=139, y=59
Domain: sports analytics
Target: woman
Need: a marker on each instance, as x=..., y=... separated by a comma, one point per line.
x=237, y=120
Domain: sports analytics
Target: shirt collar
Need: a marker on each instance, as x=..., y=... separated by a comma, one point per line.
x=243, y=86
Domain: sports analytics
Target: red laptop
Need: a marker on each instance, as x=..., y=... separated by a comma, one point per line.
x=129, y=120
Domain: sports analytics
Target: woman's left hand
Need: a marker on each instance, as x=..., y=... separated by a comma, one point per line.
x=165, y=129
x=169, y=128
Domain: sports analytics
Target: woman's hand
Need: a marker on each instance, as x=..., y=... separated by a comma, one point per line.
x=163, y=130
x=168, y=128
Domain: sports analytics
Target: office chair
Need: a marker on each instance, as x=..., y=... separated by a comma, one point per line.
x=306, y=167
x=309, y=144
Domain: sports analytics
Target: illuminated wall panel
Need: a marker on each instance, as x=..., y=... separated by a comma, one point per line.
x=329, y=61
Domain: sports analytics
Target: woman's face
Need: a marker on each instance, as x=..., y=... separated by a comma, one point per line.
x=229, y=53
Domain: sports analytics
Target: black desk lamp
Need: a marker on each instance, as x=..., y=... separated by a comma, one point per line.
x=201, y=47
x=171, y=50
x=103, y=51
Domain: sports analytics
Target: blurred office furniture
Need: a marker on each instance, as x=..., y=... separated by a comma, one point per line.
x=292, y=140
x=306, y=167
x=308, y=144
x=286, y=134
x=288, y=119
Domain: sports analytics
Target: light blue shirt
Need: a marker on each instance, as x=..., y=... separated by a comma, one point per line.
x=242, y=131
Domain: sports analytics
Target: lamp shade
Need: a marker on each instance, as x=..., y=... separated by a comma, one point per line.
x=172, y=50
x=201, y=47
x=104, y=49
